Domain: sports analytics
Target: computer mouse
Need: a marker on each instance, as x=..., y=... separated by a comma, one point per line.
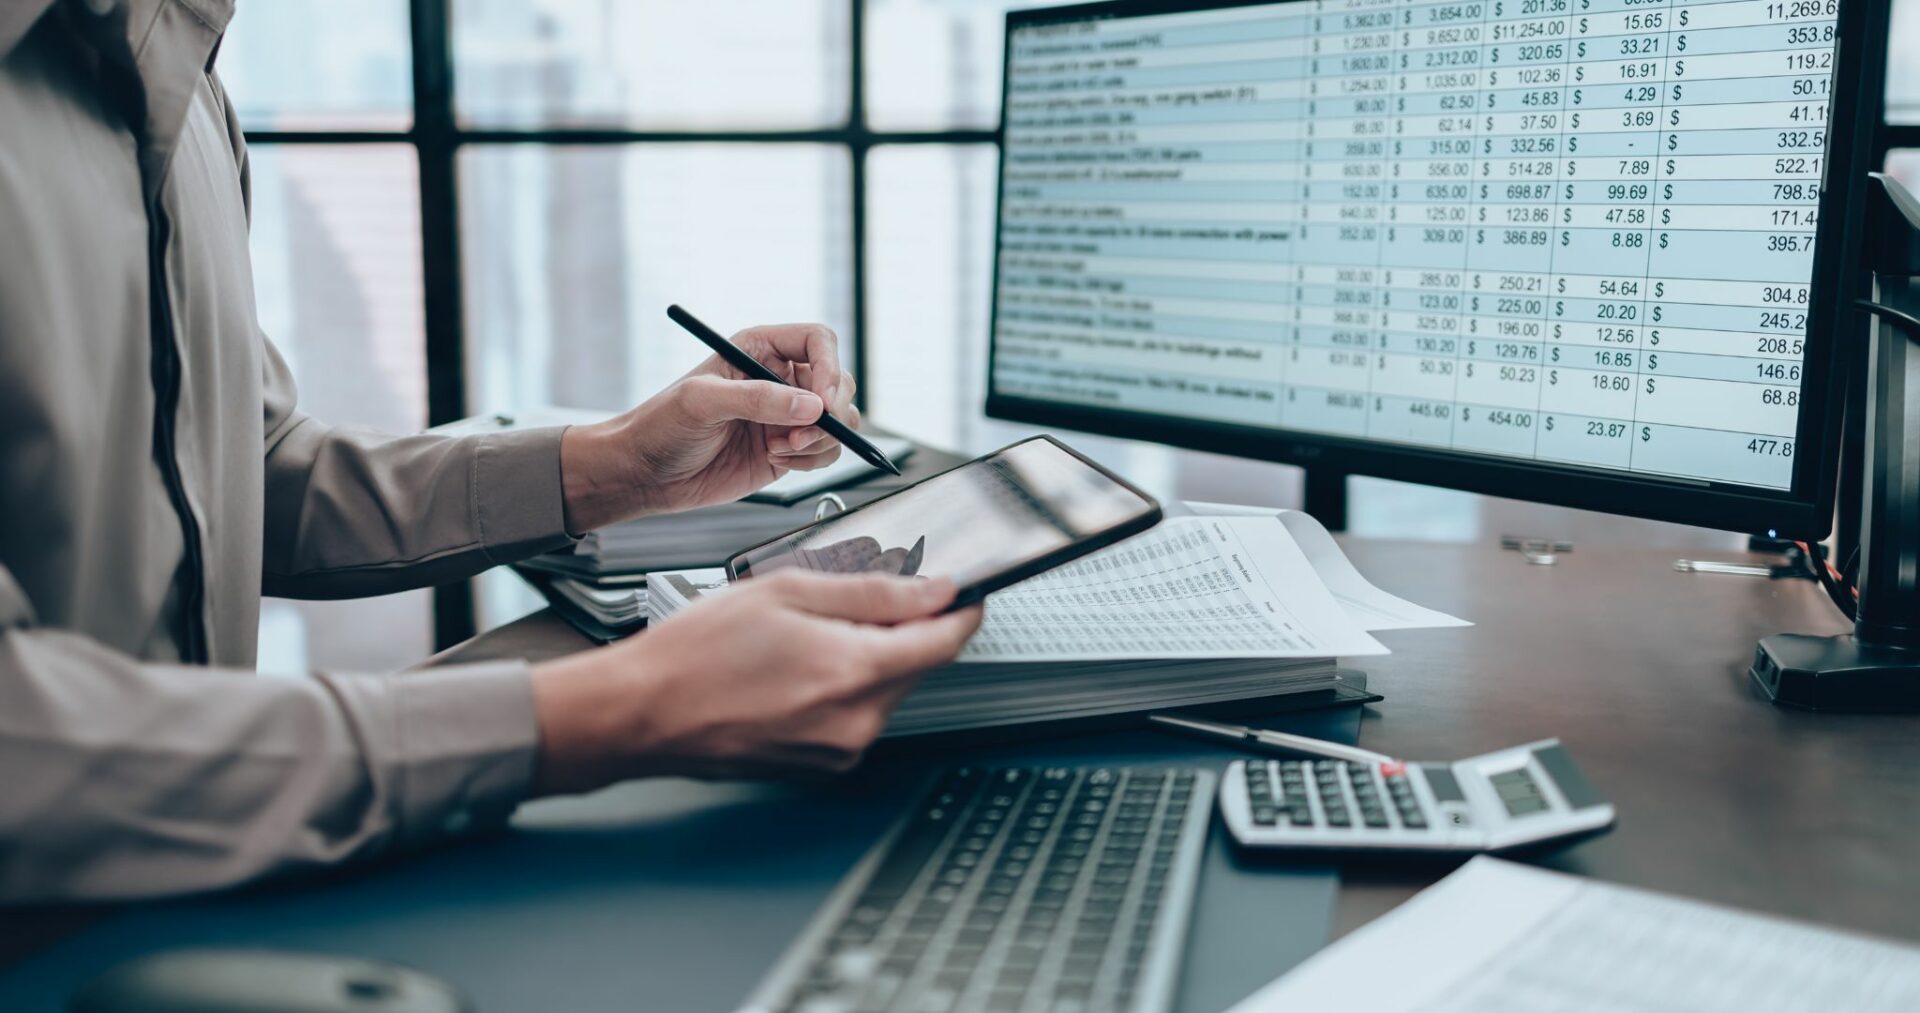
x=264, y=981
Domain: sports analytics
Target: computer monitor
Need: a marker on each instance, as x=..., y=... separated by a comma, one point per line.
x=1598, y=253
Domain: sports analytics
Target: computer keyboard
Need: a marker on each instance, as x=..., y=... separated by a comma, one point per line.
x=1012, y=890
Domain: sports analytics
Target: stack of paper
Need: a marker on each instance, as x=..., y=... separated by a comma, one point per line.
x=1199, y=610
x=709, y=535
x=1496, y=937
x=617, y=608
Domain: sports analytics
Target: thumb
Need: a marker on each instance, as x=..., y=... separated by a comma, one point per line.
x=717, y=399
x=920, y=645
x=869, y=598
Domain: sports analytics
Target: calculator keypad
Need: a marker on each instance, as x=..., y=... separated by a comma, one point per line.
x=1333, y=794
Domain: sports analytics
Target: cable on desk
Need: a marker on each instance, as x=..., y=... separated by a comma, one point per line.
x=1845, y=597
x=1839, y=581
x=1909, y=324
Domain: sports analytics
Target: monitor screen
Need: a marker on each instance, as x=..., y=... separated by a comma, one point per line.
x=1562, y=249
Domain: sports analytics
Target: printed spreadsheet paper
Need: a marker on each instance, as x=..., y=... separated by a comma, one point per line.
x=1497, y=937
x=1242, y=583
x=1372, y=608
x=1193, y=587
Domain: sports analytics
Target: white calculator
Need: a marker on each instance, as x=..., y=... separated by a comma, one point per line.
x=1367, y=802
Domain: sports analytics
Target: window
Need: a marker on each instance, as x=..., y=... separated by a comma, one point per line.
x=492, y=201
x=341, y=65
x=652, y=64
x=338, y=272
x=574, y=252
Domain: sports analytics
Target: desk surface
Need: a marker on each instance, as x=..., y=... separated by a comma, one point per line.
x=1641, y=670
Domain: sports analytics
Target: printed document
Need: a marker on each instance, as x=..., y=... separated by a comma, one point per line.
x=1218, y=582
x=1192, y=587
x=1497, y=937
x=1372, y=608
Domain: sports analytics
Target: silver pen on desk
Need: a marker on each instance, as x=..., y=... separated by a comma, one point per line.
x=1274, y=740
x=1779, y=571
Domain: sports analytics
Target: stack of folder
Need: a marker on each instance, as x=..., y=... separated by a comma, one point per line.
x=975, y=692
x=708, y=536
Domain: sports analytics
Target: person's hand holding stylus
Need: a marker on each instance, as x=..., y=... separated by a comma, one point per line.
x=754, y=368
x=714, y=435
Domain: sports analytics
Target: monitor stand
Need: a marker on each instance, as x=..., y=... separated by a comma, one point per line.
x=1877, y=667
x=1324, y=496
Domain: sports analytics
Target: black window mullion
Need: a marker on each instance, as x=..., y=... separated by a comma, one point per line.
x=436, y=139
x=859, y=143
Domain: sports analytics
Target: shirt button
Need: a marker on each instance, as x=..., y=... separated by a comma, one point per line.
x=457, y=821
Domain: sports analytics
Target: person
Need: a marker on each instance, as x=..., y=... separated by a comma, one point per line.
x=156, y=477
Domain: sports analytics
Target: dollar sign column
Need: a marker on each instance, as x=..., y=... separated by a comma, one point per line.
x=1605, y=207
x=1554, y=429
x=1337, y=268
x=1511, y=250
x=1746, y=119
x=1430, y=194
x=1666, y=163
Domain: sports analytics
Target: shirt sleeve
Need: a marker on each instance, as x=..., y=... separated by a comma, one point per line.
x=129, y=779
x=351, y=512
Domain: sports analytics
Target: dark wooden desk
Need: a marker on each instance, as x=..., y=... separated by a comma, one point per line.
x=1642, y=672
x=1640, y=669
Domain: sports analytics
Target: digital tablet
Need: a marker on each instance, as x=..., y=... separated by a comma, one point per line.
x=989, y=523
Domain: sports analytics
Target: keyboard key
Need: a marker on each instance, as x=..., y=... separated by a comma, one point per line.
x=1035, y=909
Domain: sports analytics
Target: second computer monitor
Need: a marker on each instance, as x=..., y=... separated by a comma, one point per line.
x=1586, y=251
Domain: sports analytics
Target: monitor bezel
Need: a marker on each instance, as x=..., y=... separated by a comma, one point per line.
x=1834, y=329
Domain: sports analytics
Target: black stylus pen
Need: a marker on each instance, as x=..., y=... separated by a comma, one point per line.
x=751, y=366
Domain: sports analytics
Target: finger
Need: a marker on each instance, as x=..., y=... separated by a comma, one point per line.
x=841, y=404
x=716, y=399
x=920, y=645
x=805, y=462
x=813, y=344
x=805, y=440
x=867, y=598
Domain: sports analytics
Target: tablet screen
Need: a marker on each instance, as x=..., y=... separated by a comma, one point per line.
x=1008, y=510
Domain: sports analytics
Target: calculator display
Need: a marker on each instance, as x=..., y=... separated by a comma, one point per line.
x=1519, y=793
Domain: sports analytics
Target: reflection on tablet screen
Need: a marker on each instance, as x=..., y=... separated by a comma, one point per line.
x=982, y=518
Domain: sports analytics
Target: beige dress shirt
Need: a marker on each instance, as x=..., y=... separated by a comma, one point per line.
x=156, y=478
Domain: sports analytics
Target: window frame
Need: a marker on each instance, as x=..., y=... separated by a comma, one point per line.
x=437, y=136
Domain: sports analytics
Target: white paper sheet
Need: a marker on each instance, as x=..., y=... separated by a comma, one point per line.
x=1496, y=937
x=1192, y=587
x=1372, y=608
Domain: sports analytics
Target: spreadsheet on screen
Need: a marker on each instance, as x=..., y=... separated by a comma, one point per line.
x=1572, y=231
